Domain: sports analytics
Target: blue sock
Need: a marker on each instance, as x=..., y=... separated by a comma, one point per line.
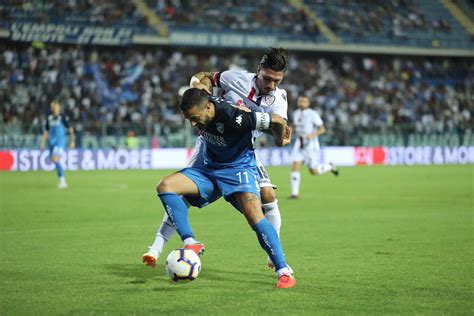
x=59, y=169
x=178, y=213
x=268, y=238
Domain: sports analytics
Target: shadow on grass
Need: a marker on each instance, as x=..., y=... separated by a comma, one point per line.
x=137, y=274
x=258, y=277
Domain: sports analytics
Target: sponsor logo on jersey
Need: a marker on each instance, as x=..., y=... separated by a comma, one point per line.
x=240, y=85
x=220, y=128
x=213, y=139
x=238, y=120
x=269, y=99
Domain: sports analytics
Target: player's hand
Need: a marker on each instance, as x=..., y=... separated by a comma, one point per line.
x=203, y=87
x=287, y=136
x=242, y=107
x=72, y=145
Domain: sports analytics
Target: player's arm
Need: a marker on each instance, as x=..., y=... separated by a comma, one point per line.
x=320, y=130
x=275, y=129
x=280, y=108
x=72, y=138
x=44, y=138
x=280, y=130
x=203, y=81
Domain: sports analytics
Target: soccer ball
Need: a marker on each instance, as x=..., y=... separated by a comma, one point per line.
x=183, y=265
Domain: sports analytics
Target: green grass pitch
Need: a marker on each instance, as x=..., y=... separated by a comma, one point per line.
x=375, y=240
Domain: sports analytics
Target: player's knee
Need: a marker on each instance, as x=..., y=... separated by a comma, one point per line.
x=267, y=195
x=164, y=185
x=295, y=167
x=55, y=159
x=313, y=171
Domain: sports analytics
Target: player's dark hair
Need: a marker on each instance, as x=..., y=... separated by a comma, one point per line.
x=274, y=59
x=193, y=97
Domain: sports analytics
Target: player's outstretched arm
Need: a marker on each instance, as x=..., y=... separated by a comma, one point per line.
x=319, y=131
x=202, y=81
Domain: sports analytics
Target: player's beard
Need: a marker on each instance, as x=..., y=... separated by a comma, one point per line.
x=207, y=120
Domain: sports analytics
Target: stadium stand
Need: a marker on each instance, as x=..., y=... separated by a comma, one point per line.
x=365, y=100
x=108, y=92
x=419, y=23
x=241, y=16
x=398, y=22
x=111, y=13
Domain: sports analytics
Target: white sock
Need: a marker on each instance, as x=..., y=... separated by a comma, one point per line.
x=282, y=271
x=323, y=168
x=164, y=233
x=62, y=179
x=295, y=182
x=272, y=214
x=190, y=241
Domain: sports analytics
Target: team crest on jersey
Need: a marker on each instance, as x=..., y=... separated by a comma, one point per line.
x=220, y=128
x=269, y=99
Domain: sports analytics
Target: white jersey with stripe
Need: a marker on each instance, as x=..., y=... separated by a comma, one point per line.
x=305, y=122
x=240, y=87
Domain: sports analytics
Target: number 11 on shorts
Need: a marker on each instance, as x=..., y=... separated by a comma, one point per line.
x=245, y=176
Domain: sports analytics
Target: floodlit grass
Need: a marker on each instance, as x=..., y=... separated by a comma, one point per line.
x=374, y=240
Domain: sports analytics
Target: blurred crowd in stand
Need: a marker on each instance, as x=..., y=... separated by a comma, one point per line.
x=266, y=16
x=108, y=91
x=416, y=23
x=107, y=13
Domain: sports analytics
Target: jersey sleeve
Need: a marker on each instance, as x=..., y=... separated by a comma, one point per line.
x=281, y=104
x=226, y=79
x=317, y=120
x=65, y=121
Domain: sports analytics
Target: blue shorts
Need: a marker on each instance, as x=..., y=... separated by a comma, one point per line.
x=214, y=183
x=55, y=150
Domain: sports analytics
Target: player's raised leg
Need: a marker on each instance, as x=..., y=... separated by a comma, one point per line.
x=166, y=229
x=320, y=169
x=169, y=190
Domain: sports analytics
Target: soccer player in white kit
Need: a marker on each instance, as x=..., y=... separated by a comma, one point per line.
x=307, y=125
x=246, y=89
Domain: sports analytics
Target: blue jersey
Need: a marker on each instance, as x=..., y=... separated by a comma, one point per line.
x=228, y=138
x=57, y=125
x=228, y=165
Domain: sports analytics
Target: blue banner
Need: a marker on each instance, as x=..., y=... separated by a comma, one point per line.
x=72, y=34
x=216, y=39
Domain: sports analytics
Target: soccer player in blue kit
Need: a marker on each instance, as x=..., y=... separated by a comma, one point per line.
x=55, y=134
x=228, y=169
x=247, y=89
